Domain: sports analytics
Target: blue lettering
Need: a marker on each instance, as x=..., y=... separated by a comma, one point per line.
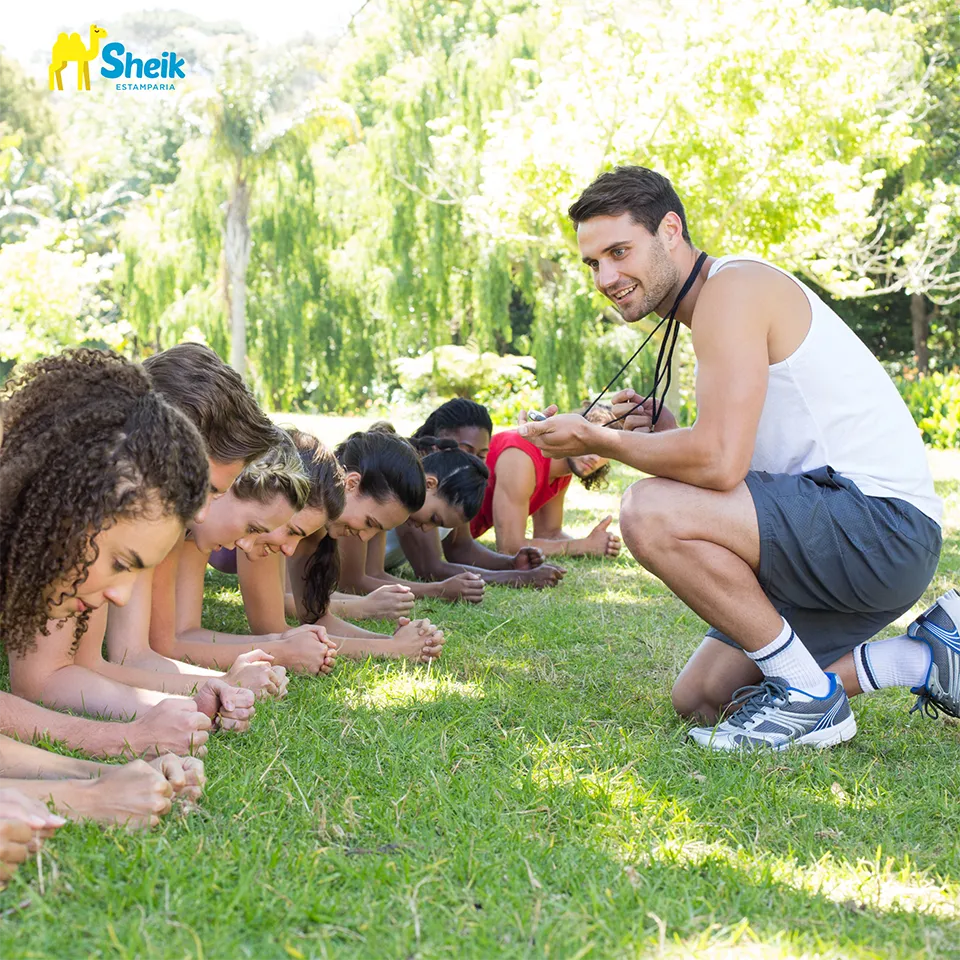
x=112, y=53
x=131, y=60
x=168, y=65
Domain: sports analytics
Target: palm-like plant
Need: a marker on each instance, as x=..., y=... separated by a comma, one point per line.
x=252, y=119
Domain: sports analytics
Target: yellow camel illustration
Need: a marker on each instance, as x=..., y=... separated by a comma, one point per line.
x=72, y=48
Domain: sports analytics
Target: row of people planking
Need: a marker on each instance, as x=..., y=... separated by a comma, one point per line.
x=119, y=483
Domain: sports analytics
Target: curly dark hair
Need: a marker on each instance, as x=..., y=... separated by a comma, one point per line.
x=87, y=441
x=601, y=414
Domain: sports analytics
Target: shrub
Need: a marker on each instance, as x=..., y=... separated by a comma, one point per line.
x=504, y=385
x=934, y=401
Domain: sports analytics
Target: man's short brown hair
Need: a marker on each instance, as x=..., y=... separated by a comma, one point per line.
x=646, y=195
x=196, y=381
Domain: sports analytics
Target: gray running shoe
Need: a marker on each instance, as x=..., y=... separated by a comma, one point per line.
x=937, y=628
x=777, y=716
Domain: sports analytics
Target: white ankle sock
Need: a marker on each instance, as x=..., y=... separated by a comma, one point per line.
x=897, y=662
x=787, y=658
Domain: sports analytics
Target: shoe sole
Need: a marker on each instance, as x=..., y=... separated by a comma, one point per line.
x=819, y=739
x=824, y=739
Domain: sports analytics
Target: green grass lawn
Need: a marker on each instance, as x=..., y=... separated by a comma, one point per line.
x=531, y=795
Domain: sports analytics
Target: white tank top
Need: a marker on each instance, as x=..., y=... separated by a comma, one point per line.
x=830, y=403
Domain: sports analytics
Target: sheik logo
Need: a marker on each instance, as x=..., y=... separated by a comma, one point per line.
x=117, y=63
x=71, y=49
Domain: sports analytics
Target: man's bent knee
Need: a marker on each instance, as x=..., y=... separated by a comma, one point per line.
x=646, y=512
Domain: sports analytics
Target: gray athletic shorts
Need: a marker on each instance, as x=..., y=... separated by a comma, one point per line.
x=838, y=565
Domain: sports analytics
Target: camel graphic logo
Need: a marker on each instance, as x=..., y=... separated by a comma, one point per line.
x=118, y=63
x=71, y=49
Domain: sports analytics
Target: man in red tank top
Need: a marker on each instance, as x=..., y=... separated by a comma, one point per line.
x=525, y=483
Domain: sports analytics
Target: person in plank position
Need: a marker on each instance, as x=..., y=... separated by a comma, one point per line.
x=797, y=516
x=438, y=551
x=97, y=475
x=372, y=481
x=123, y=482
x=526, y=483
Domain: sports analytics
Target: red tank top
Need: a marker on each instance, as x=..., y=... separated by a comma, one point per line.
x=543, y=492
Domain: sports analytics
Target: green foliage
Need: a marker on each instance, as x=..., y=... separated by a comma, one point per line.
x=24, y=109
x=934, y=401
x=406, y=190
x=50, y=297
x=480, y=130
x=913, y=246
x=505, y=385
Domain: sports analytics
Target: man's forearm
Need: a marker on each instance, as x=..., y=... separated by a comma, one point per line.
x=679, y=454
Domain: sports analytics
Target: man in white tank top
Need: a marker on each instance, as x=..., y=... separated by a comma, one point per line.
x=797, y=516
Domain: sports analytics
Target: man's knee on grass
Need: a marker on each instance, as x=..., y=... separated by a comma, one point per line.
x=693, y=701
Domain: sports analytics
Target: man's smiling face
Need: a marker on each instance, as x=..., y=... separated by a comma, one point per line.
x=630, y=266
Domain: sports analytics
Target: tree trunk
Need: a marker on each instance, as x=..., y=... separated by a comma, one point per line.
x=237, y=250
x=920, y=319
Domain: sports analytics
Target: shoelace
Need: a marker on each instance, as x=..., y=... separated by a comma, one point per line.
x=751, y=700
x=925, y=703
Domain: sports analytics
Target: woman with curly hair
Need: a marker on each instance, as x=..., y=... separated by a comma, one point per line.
x=371, y=482
x=61, y=546
x=265, y=497
x=98, y=477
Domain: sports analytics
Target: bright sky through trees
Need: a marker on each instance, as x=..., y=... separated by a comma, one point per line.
x=30, y=29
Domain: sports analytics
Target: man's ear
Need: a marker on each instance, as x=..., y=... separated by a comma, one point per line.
x=432, y=483
x=352, y=482
x=670, y=230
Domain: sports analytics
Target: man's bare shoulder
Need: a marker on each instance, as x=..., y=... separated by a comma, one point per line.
x=749, y=298
x=515, y=468
x=732, y=301
x=753, y=282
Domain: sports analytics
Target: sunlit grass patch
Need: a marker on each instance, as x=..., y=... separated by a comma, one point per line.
x=410, y=686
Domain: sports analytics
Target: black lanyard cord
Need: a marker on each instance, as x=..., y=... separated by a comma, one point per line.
x=667, y=345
